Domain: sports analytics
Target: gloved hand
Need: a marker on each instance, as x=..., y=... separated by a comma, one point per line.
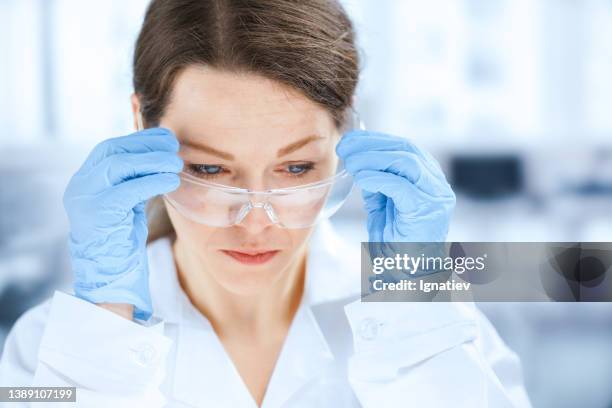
x=105, y=203
x=406, y=194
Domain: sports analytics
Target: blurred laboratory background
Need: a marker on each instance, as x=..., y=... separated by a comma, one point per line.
x=513, y=97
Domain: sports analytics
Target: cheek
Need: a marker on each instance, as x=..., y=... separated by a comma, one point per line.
x=299, y=236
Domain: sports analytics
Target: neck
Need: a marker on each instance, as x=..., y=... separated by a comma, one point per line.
x=264, y=315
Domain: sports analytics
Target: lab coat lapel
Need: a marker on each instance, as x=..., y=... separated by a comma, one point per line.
x=204, y=374
x=304, y=355
x=307, y=351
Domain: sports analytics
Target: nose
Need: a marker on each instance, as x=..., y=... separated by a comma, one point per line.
x=254, y=182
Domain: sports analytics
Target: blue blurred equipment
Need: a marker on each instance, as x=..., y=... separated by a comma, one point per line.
x=488, y=176
x=105, y=203
x=406, y=194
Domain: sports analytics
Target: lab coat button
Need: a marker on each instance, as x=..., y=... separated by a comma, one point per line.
x=369, y=328
x=145, y=354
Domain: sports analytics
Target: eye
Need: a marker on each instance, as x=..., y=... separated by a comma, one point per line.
x=205, y=170
x=299, y=169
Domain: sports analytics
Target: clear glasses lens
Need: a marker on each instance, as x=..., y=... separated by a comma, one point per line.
x=299, y=207
x=204, y=205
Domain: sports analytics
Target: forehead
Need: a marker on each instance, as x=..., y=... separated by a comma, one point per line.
x=211, y=103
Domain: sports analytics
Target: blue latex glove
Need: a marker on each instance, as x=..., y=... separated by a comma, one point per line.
x=406, y=194
x=105, y=203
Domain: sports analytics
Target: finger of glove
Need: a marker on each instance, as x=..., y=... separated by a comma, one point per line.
x=127, y=195
x=373, y=201
x=140, y=222
x=366, y=141
x=406, y=196
x=404, y=164
x=122, y=167
x=148, y=140
x=401, y=163
x=374, y=204
x=392, y=186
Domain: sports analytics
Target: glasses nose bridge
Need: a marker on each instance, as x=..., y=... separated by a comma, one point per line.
x=263, y=204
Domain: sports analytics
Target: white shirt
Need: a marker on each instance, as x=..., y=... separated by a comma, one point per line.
x=339, y=352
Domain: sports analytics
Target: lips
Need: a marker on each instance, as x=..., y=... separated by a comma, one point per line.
x=251, y=257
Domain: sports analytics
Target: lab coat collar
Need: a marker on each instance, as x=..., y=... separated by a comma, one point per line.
x=332, y=267
x=166, y=292
x=305, y=355
x=201, y=361
x=204, y=375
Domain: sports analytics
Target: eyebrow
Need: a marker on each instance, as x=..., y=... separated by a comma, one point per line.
x=207, y=149
x=297, y=145
x=228, y=156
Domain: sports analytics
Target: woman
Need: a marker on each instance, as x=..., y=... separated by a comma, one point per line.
x=246, y=297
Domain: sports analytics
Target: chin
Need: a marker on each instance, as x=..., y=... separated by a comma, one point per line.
x=246, y=279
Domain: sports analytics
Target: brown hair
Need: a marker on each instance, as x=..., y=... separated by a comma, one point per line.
x=308, y=45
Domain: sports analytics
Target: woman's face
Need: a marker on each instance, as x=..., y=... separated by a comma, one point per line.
x=246, y=131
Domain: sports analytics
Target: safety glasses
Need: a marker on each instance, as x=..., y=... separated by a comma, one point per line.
x=302, y=206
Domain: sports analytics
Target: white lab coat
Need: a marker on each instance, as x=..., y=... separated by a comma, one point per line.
x=339, y=352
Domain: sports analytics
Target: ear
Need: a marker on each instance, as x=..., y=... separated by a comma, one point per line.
x=135, y=109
